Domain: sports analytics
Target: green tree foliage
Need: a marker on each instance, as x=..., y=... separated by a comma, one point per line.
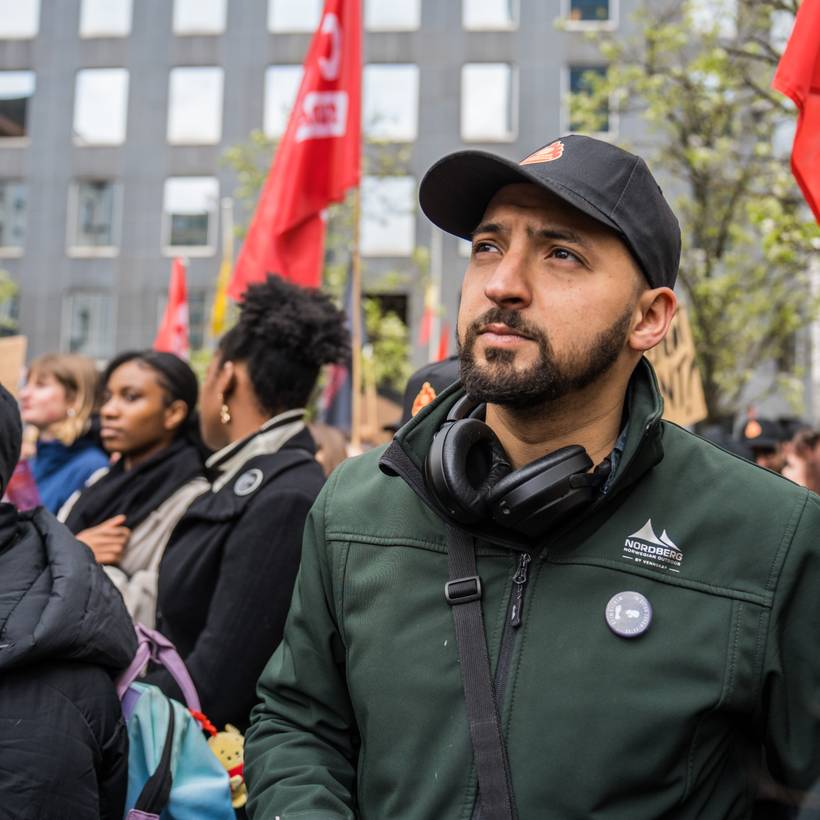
x=388, y=360
x=8, y=290
x=698, y=75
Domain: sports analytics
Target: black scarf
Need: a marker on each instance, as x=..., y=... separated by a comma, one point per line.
x=136, y=493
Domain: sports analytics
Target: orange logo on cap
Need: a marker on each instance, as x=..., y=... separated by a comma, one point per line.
x=555, y=150
x=425, y=396
x=753, y=429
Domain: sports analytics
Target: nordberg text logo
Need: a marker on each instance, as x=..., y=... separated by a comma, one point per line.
x=645, y=548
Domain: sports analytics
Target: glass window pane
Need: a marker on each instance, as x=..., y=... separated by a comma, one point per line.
x=388, y=225
x=391, y=101
x=89, y=324
x=388, y=15
x=93, y=223
x=16, y=89
x=190, y=211
x=195, y=106
x=579, y=80
x=199, y=16
x=294, y=15
x=593, y=11
x=489, y=14
x=281, y=85
x=19, y=19
x=105, y=18
x=488, y=102
x=100, y=106
x=12, y=214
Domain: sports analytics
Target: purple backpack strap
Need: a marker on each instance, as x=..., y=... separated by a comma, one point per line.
x=154, y=646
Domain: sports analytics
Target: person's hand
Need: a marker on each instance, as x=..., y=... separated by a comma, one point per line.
x=107, y=540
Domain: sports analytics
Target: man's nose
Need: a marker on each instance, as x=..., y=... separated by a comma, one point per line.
x=508, y=285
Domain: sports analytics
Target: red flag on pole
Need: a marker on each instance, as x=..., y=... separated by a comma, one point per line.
x=443, y=341
x=172, y=336
x=798, y=77
x=316, y=162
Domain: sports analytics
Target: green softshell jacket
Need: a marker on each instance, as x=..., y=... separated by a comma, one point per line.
x=362, y=710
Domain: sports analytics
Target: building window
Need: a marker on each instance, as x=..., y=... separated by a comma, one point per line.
x=12, y=217
x=489, y=15
x=19, y=19
x=294, y=15
x=195, y=106
x=488, y=102
x=87, y=324
x=388, y=225
x=100, y=106
x=105, y=18
x=189, y=212
x=16, y=89
x=590, y=12
x=580, y=79
x=391, y=102
x=92, y=209
x=388, y=15
x=281, y=87
x=199, y=16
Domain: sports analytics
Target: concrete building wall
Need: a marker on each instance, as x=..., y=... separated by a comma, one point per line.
x=135, y=277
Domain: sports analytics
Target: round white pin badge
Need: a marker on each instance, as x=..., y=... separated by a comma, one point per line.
x=248, y=482
x=628, y=614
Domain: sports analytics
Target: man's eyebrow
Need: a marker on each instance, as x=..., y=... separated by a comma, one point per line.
x=560, y=234
x=488, y=227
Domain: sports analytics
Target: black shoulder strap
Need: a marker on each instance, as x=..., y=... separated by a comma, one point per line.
x=157, y=789
x=463, y=593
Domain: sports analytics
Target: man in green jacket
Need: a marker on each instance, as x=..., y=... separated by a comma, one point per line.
x=641, y=634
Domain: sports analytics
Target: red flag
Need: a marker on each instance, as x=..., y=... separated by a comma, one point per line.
x=317, y=161
x=798, y=77
x=443, y=341
x=428, y=315
x=172, y=336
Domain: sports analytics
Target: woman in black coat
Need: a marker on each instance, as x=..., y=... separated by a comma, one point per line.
x=64, y=632
x=226, y=578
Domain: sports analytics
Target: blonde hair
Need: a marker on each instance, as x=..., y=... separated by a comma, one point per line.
x=79, y=378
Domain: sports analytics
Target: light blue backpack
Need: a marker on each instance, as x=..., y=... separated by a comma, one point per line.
x=172, y=772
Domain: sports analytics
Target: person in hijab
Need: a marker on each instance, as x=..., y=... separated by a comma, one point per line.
x=227, y=575
x=63, y=633
x=58, y=400
x=127, y=512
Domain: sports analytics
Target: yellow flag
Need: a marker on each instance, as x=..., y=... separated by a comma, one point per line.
x=220, y=307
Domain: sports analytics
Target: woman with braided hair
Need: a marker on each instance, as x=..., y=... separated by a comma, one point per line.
x=227, y=575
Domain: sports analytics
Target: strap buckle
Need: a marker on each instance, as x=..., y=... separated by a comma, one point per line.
x=463, y=590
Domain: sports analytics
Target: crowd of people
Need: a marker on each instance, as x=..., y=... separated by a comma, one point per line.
x=540, y=600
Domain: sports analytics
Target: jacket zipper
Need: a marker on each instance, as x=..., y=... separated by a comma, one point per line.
x=512, y=622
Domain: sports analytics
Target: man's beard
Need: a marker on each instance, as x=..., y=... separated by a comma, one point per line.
x=500, y=382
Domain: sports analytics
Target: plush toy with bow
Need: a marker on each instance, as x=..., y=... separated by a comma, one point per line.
x=229, y=748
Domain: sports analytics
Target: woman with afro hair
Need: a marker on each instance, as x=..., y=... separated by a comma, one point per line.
x=226, y=578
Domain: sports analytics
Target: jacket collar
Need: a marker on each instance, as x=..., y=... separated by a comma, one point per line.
x=642, y=449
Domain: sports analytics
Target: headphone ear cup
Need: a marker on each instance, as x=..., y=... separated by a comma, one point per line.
x=544, y=492
x=464, y=461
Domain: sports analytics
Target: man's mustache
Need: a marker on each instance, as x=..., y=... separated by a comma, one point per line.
x=511, y=318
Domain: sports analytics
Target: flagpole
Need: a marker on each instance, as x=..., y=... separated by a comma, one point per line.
x=356, y=329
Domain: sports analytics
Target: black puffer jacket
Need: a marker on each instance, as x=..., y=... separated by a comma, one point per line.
x=64, y=631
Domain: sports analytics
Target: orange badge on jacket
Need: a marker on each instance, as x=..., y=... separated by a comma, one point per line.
x=425, y=396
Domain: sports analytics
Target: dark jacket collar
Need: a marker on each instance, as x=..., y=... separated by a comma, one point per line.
x=642, y=450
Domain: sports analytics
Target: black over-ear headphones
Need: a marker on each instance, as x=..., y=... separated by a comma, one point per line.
x=470, y=475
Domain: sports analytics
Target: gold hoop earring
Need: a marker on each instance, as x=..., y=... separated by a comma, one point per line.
x=224, y=414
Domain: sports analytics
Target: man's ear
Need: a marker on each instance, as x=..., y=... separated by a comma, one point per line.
x=656, y=307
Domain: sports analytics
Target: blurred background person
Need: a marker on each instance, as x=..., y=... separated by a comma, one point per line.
x=126, y=513
x=765, y=438
x=803, y=460
x=63, y=633
x=226, y=578
x=58, y=400
x=331, y=445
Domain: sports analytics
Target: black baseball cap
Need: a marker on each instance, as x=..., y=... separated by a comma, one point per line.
x=603, y=181
x=763, y=434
